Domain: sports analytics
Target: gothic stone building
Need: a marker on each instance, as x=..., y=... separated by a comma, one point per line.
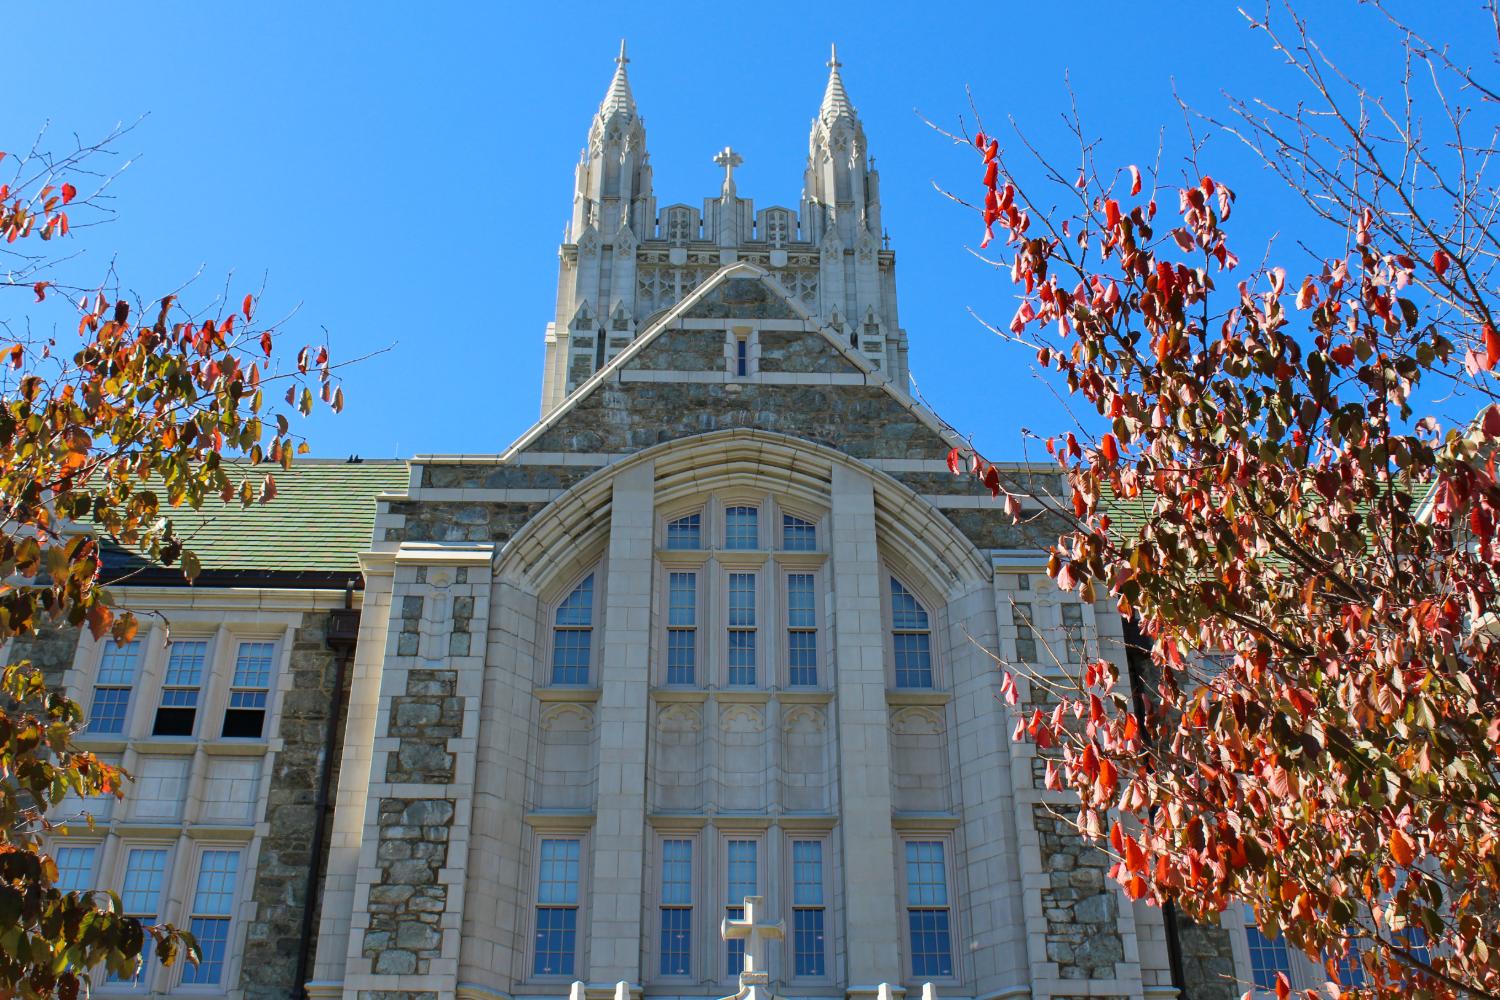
x=719, y=625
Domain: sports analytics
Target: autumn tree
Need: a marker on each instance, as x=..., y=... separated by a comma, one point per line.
x=109, y=422
x=1312, y=553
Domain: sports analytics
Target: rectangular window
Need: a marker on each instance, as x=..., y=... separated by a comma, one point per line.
x=118, y=664
x=75, y=868
x=927, y=909
x=801, y=630
x=250, y=690
x=682, y=627
x=798, y=535
x=213, y=905
x=1267, y=956
x=742, y=629
x=573, y=635
x=556, y=907
x=1020, y=617
x=911, y=639
x=808, y=950
x=741, y=878
x=741, y=357
x=140, y=895
x=685, y=532
x=1072, y=623
x=180, y=688
x=676, y=908
x=742, y=527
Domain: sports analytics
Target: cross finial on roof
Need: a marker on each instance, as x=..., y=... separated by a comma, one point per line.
x=621, y=59
x=836, y=102
x=728, y=159
x=833, y=56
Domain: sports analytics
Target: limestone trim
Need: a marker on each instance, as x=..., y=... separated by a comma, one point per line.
x=903, y=697
x=918, y=822
x=561, y=820
x=579, y=519
x=563, y=693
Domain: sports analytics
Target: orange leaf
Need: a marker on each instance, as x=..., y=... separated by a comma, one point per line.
x=1403, y=848
x=1135, y=179
x=1491, y=347
x=69, y=192
x=41, y=290
x=247, y=305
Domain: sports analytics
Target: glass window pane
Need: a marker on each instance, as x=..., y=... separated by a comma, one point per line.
x=215, y=891
x=802, y=659
x=685, y=532
x=676, y=941
x=807, y=873
x=741, y=527
x=741, y=872
x=682, y=602
x=109, y=711
x=926, y=881
x=677, y=872
x=185, y=663
x=570, y=655
x=118, y=664
x=800, y=603
x=931, y=946
x=557, y=880
x=913, y=660
x=75, y=868
x=213, y=940
x=798, y=535
x=807, y=942
x=1020, y=616
x=906, y=613
x=741, y=600
x=144, y=870
x=578, y=608
x=252, y=665
x=556, y=940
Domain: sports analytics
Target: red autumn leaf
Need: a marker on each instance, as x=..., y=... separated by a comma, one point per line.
x=1109, y=448
x=1283, y=986
x=247, y=305
x=265, y=342
x=69, y=192
x=41, y=290
x=1439, y=262
x=1491, y=347
x=1343, y=354
x=954, y=462
x=1135, y=179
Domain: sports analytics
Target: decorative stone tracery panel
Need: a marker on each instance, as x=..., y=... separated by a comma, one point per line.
x=919, y=771
x=565, y=771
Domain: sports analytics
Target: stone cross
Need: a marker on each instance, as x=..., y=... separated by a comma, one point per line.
x=728, y=159
x=755, y=930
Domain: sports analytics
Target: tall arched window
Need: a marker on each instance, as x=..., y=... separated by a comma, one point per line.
x=911, y=639
x=572, y=635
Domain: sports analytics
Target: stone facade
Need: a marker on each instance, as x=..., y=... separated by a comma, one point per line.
x=721, y=624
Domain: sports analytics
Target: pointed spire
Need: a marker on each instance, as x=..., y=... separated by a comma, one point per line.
x=836, y=102
x=618, y=99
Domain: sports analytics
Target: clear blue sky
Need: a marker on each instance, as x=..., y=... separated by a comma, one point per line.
x=401, y=173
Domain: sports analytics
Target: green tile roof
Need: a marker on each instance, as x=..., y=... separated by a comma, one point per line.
x=323, y=515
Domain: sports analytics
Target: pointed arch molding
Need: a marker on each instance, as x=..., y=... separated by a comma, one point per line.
x=740, y=458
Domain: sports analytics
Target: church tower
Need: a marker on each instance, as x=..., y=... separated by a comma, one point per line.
x=623, y=262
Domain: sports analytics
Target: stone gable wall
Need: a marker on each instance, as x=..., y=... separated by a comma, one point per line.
x=861, y=421
x=280, y=888
x=1079, y=903
x=1207, y=961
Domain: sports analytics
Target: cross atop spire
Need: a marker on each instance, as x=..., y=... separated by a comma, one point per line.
x=836, y=103
x=618, y=99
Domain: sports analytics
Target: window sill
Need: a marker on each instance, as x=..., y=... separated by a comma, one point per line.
x=917, y=696
x=564, y=693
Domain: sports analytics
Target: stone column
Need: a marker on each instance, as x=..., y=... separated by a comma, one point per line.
x=870, y=900
x=408, y=902
x=614, y=899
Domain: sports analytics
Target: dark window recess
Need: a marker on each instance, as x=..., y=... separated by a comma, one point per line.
x=741, y=357
x=244, y=722
x=174, y=721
